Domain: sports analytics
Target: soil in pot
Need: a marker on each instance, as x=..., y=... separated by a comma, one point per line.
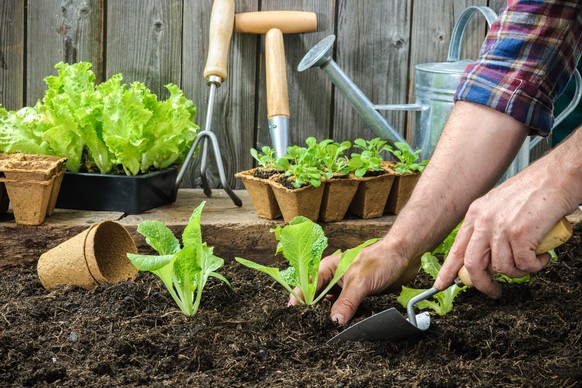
x=372, y=194
x=256, y=182
x=304, y=201
x=338, y=194
x=132, y=334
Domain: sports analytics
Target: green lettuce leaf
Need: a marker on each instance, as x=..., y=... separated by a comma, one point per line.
x=302, y=243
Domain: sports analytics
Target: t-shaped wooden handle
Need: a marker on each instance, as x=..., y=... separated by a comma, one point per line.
x=289, y=22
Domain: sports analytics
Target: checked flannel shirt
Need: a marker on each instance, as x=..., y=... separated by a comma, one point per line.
x=526, y=61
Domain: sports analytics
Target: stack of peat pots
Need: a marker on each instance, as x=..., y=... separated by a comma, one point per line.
x=32, y=184
x=384, y=192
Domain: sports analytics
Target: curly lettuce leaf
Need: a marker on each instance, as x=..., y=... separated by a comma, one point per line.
x=70, y=113
x=21, y=131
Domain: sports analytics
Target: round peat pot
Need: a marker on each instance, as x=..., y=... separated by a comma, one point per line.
x=96, y=256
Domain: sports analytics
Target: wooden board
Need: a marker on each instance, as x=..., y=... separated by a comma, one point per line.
x=233, y=231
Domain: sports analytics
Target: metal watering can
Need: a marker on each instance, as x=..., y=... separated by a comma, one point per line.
x=435, y=87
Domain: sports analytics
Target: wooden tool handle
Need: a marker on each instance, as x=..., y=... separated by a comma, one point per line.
x=559, y=234
x=289, y=22
x=277, y=93
x=220, y=33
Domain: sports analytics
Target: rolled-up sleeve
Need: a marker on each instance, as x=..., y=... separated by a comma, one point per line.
x=526, y=61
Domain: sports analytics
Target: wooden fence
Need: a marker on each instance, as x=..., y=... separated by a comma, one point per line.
x=161, y=41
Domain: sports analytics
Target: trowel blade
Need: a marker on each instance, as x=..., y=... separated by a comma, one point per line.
x=388, y=324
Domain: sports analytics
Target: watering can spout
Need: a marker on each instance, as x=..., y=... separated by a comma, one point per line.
x=320, y=56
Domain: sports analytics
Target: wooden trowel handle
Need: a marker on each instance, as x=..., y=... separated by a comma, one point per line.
x=277, y=93
x=220, y=33
x=559, y=234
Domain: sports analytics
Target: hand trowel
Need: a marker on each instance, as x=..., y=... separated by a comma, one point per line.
x=390, y=324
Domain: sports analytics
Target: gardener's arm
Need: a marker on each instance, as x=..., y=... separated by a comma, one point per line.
x=459, y=171
x=506, y=225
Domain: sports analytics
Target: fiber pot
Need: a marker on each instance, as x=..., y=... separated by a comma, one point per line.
x=30, y=200
x=371, y=196
x=261, y=194
x=401, y=191
x=305, y=201
x=33, y=184
x=97, y=255
x=337, y=197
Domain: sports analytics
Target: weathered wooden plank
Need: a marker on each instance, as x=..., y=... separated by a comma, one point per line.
x=233, y=115
x=12, y=54
x=61, y=30
x=233, y=231
x=432, y=26
x=372, y=47
x=144, y=41
x=309, y=92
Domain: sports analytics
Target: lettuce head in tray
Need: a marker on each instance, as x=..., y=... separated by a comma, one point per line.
x=109, y=127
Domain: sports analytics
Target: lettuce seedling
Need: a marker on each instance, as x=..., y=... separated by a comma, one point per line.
x=370, y=158
x=301, y=165
x=407, y=160
x=184, y=271
x=331, y=158
x=302, y=243
x=265, y=159
x=443, y=301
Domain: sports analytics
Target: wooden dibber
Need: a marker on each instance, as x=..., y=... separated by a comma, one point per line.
x=274, y=24
x=559, y=234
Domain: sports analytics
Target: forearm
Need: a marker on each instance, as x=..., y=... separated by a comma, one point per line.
x=558, y=175
x=476, y=147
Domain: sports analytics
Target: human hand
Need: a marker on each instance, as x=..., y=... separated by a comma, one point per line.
x=375, y=270
x=501, y=233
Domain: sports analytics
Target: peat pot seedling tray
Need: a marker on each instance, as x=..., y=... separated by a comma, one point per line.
x=129, y=194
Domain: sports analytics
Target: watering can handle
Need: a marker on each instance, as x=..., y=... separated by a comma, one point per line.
x=571, y=106
x=461, y=25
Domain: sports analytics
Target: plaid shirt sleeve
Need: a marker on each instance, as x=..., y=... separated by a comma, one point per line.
x=526, y=61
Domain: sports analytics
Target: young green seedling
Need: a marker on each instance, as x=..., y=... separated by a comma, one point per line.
x=331, y=158
x=302, y=243
x=184, y=271
x=407, y=159
x=266, y=158
x=301, y=165
x=370, y=158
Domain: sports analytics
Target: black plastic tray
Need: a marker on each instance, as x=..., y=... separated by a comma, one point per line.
x=129, y=194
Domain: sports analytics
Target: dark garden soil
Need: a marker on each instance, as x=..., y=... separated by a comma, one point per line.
x=132, y=334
